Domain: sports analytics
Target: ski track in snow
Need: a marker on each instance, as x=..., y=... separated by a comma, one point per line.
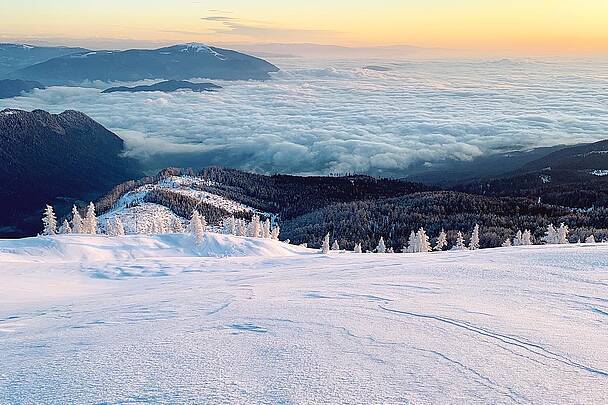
x=281, y=324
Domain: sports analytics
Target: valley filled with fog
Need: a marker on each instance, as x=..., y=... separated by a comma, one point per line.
x=377, y=117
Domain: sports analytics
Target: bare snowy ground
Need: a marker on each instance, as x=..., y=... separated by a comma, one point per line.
x=87, y=319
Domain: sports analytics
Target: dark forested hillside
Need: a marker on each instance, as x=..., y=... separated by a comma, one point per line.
x=47, y=158
x=394, y=218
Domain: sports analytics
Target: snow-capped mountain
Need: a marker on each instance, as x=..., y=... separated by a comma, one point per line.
x=178, y=62
x=17, y=56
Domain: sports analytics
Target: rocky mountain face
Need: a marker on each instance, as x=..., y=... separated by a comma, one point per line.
x=54, y=158
x=179, y=62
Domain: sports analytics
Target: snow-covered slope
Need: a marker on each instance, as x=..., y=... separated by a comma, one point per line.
x=91, y=319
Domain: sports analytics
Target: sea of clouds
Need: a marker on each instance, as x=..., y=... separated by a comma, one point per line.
x=338, y=117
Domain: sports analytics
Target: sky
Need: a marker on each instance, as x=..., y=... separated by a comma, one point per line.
x=525, y=26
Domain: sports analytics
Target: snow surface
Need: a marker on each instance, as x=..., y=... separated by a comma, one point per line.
x=137, y=319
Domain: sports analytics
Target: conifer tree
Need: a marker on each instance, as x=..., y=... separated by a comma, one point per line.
x=358, y=248
x=266, y=231
x=90, y=220
x=65, y=228
x=518, y=239
x=459, y=242
x=50, y=222
x=562, y=234
x=422, y=241
x=335, y=245
x=230, y=225
x=526, y=238
x=275, y=232
x=195, y=227
x=474, y=242
x=325, y=247
x=412, y=243
x=590, y=239
x=381, y=248
x=507, y=243
x=551, y=237
x=77, y=222
x=176, y=225
x=119, y=228
x=442, y=241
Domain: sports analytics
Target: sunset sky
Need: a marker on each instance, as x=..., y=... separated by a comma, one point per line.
x=548, y=26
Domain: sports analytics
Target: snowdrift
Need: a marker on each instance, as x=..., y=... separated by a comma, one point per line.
x=90, y=248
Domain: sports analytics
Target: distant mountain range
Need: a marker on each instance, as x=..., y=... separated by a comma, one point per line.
x=13, y=88
x=17, y=56
x=167, y=87
x=179, y=62
x=54, y=158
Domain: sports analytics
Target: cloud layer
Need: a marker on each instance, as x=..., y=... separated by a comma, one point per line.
x=344, y=118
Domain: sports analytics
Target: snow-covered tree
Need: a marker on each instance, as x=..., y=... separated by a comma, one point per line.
x=115, y=227
x=230, y=225
x=77, y=222
x=276, y=231
x=254, y=230
x=335, y=245
x=442, y=241
x=518, y=239
x=266, y=229
x=526, y=238
x=460, y=245
x=390, y=250
x=507, y=243
x=65, y=228
x=90, y=220
x=325, y=247
x=474, y=242
x=196, y=228
x=562, y=234
x=423, y=241
x=358, y=248
x=590, y=239
x=381, y=248
x=50, y=221
x=412, y=243
x=551, y=237
x=176, y=225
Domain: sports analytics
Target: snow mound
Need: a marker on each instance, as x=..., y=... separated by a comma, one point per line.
x=97, y=248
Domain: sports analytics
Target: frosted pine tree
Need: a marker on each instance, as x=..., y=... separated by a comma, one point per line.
x=266, y=229
x=335, y=245
x=590, y=239
x=230, y=226
x=358, y=248
x=474, y=242
x=526, y=238
x=325, y=247
x=254, y=227
x=507, y=243
x=276, y=231
x=176, y=225
x=90, y=220
x=203, y=223
x=459, y=242
x=562, y=234
x=442, y=241
x=65, y=228
x=119, y=228
x=77, y=222
x=422, y=239
x=518, y=239
x=381, y=248
x=412, y=243
x=50, y=222
x=551, y=237
x=195, y=228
